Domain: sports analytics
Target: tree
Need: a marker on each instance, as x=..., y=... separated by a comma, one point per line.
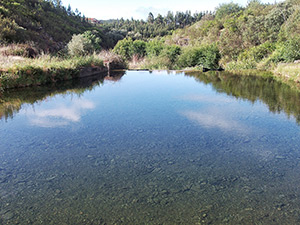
x=79, y=45
x=150, y=18
x=226, y=9
x=124, y=48
x=159, y=19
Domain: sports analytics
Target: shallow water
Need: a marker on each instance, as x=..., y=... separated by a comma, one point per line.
x=151, y=148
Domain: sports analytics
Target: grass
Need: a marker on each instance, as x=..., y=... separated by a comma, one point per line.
x=289, y=71
x=18, y=71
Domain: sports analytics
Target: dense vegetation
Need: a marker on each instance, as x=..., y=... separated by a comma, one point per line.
x=153, y=26
x=258, y=36
x=278, y=96
x=47, y=25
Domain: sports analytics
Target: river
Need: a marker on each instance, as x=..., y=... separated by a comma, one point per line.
x=158, y=147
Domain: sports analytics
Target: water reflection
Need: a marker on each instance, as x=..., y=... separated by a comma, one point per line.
x=214, y=119
x=12, y=100
x=152, y=149
x=279, y=97
x=59, y=115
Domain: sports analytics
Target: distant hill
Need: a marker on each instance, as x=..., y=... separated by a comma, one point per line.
x=244, y=33
x=46, y=23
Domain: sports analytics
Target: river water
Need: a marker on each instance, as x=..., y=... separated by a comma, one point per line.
x=155, y=147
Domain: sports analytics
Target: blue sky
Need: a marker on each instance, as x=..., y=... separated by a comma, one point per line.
x=139, y=9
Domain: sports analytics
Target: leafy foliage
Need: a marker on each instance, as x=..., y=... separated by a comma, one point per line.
x=125, y=48
x=79, y=45
x=46, y=23
x=205, y=56
x=152, y=27
x=226, y=9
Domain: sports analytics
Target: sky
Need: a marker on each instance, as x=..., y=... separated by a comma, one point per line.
x=139, y=9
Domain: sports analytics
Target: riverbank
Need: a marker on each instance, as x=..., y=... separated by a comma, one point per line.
x=288, y=73
x=18, y=71
x=22, y=72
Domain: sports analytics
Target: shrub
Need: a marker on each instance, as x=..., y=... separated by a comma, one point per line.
x=291, y=27
x=159, y=62
x=241, y=65
x=288, y=51
x=80, y=45
x=8, y=29
x=94, y=38
x=139, y=48
x=291, y=50
x=171, y=52
x=127, y=48
x=205, y=56
x=124, y=48
x=257, y=53
x=226, y=9
x=154, y=47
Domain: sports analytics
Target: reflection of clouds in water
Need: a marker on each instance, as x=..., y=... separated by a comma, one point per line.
x=204, y=98
x=214, y=120
x=214, y=116
x=61, y=115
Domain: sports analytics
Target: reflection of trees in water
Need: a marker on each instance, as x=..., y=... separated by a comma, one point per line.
x=13, y=99
x=278, y=96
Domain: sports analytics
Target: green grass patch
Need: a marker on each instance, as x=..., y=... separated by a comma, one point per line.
x=42, y=70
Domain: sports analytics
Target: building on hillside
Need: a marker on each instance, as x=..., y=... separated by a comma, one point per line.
x=93, y=21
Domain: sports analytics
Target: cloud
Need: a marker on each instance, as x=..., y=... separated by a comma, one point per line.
x=209, y=99
x=60, y=115
x=143, y=12
x=213, y=119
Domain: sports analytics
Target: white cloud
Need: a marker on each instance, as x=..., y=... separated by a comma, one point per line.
x=143, y=12
x=212, y=119
x=211, y=99
x=60, y=115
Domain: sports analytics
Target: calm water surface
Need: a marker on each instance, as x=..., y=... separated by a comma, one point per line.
x=151, y=148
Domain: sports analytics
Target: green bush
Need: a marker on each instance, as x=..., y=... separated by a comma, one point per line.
x=94, y=38
x=139, y=48
x=8, y=30
x=226, y=9
x=127, y=48
x=291, y=27
x=159, y=62
x=124, y=48
x=291, y=50
x=205, y=56
x=288, y=51
x=241, y=65
x=154, y=47
x=257, y=53
x=171, y=52
x=79, y=45
x=84, y=44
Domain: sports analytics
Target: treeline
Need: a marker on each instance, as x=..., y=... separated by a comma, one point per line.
x=47, y=24
x=279, y=97
x=153, y=26
x=156, y=54
x=256, y=36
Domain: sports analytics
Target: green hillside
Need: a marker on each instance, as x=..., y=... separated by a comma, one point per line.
x=46, y=23
x=249, y=35
x=258, y=36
